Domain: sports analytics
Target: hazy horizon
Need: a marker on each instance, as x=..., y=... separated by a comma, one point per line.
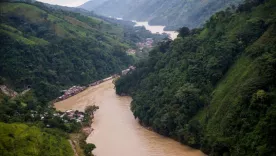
x=69, y=3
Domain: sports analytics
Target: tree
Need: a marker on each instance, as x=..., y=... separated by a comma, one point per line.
x=88, y=149
x=184, y=31
x=91, y=109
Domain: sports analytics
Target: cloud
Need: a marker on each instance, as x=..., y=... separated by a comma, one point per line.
x=70, y=3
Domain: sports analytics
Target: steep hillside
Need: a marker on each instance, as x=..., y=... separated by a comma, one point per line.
x=127, y=33
x=213, y=88
x=60, y=23
x=46, y=49
x=23, y=140
x=172, y=13
x=49, y=49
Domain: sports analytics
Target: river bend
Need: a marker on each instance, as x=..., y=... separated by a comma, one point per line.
x=116, y=132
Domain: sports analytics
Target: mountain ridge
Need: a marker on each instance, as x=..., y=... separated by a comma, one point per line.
x=173, y=14
x=92, y=4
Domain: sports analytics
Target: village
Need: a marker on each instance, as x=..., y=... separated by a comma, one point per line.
x=147, y=44
x=71, y=115
x=66, y=116
x=77, y=89
x=70, y=92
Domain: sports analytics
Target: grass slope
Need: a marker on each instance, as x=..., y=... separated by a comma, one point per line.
x=24, y=140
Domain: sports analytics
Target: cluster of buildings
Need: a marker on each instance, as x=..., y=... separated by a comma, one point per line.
x=95, y=83
x=68, y=115
x=147, y=44
x=77, y=89
x=72, y=115
x=71, y=92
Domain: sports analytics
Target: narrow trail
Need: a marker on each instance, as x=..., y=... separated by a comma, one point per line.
x=73, y=147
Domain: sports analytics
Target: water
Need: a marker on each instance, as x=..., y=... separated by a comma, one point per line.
x=116, y=132
x=157, y=29
x=154, y=28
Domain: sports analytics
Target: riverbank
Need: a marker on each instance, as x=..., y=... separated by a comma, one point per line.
x=116, y=132
x=78, y=140
x=77, y=89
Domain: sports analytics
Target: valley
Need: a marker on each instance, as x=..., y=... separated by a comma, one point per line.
x=168, y=78
x=173, y=14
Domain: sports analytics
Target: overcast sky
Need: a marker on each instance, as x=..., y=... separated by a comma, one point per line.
x=71, y=3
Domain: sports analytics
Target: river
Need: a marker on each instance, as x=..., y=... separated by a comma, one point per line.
x=116, y=132
x=153, y=28
x=157, y=29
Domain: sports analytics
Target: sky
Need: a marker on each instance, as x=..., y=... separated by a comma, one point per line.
x=70, y=3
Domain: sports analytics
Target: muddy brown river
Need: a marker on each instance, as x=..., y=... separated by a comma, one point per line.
x=116, y=132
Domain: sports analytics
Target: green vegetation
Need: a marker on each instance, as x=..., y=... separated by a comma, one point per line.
x=51, y=49
x=213, y=88
x=88, y=149
x=27, y=109
x=132, y=34
x=48, y=50
x=44, y=22
x=24, y=140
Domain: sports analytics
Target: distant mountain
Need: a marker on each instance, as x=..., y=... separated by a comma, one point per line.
x=91, y=5
x=172, y=13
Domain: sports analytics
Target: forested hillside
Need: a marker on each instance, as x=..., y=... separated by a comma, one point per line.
x=213, y=88
x=172, y=13
x=47, y=49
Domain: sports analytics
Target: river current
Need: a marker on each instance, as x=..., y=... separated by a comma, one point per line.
x=116, y=131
